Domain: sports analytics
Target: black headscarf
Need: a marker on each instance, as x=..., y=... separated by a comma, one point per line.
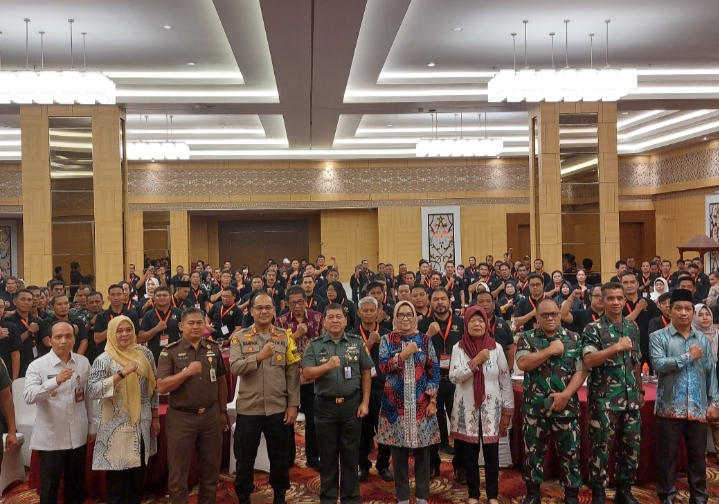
x=340, y=290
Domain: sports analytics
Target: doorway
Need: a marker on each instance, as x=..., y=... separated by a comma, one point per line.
x=637, y=235
x=518, y=235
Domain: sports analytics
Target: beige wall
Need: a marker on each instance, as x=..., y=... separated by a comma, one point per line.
x=678, y=221
x=400, y=235
x=350, y=236
x=484, y=230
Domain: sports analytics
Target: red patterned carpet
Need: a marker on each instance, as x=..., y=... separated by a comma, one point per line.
x=444, y=490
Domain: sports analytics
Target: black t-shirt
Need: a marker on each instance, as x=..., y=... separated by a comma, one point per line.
x=450, y=333
x=581, y=319
x=642, y=321
x=10, y=298
x=174, y=281
x=524, y=307
x=349, y=309
x=454, y=289
x=227, y=316
x=658, y=323
x=379, y=378
x=501, y=332
x=218, y=288
x=29, y=350
x=46, y=326
x=312, y=302
x=278, y=295
x=646, y=285
x=103, y=321
x=169, y=335
x=198, y=298
x=181, y=305
x=11, y=344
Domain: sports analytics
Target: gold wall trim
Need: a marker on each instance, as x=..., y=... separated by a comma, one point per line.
x=320, y=205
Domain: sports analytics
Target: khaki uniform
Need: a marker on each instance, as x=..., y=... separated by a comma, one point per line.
x=193, y=418
x=266, y=390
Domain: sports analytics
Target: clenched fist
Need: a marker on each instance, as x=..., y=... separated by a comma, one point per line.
x=557, y=347
x=334, y=363
x=194, y=368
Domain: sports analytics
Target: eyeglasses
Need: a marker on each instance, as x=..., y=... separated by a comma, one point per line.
x=260, y=309
x=548, y=315
x=405, y=316
x=295, y=303
x=536, y=285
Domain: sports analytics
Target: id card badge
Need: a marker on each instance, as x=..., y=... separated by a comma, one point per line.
x=164, y=339
x=197, y=305
x=225, y=331
x=373, y=372
x=34, y=352
x=79, y=394
x=451, y=298
x=444, y=361
x=348, y=372
x=213, y=375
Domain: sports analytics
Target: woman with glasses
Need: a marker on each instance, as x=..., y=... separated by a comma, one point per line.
x=124, y=378
x=336, y=294
x=408, y=415
x=483, y=402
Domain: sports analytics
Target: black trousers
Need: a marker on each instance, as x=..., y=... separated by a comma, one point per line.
x=367, y=434
x=339, y=450
x=400, y=464
x=125, y=487
x=445, y=404
x=55, y=464
x=669, y=433
x=248, y=431
x=468, y=453
x=307, y=407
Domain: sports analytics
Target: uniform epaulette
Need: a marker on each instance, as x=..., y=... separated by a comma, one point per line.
x=174, y=343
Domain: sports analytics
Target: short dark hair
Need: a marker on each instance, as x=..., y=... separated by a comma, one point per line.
x=114, y=286
x=55, y=298
x=94, y=293
x=436, y=273
x=587, y=263
x=373, y=285
x=680, y=261
x=330, y=270
x=417, y=286
x=31, y=288
x=611, y=286
x=665, y=296
x=189, y=311
x=162, y=288
x=333, y=306
x=619, y=263
x=441, y=290
x=448, y=262
x=483, y=264
x=479, y=293
x=58, y=269
x=693, y=266
x=22, y=291
x=628, y=273
x=295, y=290
x=53, y=283
x=532, y=276
x=682, y=278
x=522, y=265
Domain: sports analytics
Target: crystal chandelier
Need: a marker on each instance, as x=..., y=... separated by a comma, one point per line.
x=46, y=87
x=568, y=84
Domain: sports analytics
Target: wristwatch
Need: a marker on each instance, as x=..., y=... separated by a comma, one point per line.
x=119, y=373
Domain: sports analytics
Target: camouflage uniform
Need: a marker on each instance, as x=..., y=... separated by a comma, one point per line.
x=551, y=376
x=613, y=402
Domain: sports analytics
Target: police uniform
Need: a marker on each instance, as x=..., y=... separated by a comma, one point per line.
x=450, y=333
x=266, y=390
x=613, y=403
x=193, y=418
x=338, y=395
x=553, y=375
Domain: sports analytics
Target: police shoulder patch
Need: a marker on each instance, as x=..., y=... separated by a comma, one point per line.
x=174, y=343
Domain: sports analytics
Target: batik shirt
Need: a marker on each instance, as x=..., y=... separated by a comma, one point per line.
x=686, y=387
x=314, y=322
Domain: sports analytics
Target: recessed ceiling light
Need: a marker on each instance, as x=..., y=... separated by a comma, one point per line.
x=705, y=139
x=389, y=125
x=457, y=28
x=190, y=63
x=431, y=64
x=167, y=27
x=625, y=113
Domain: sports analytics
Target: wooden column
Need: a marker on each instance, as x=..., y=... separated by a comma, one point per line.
x=134, y=242
x=545, y=190
x=109, y=186
x=180, y=239
x=37, y=208
x=608, y=188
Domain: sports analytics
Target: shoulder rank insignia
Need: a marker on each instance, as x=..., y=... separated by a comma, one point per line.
x=174, y=343
x=235, y=340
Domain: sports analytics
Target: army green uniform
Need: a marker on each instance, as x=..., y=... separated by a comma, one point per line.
x=338, y=395
x=613, y=402
x=193, y=418
x=553, y=375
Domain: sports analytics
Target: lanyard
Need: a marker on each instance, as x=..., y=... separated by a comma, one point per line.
x=166, y=319
x=308, y=302
x=594, y=317
x=223, y=313
x=364, y=336
x=449, y=326
x=271, y=291
x=493, y=328
x=450, y=286
x=665, y=321
x=196, y=293
x=129, y=304
x=629, y=308
x=174, y=302
x=531, y=301
x=427, y=283
x=522, y=287
x=647, y=281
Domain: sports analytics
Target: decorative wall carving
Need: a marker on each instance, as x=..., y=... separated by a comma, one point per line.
x=180, y=182
x=692, y=166
x=10, y=184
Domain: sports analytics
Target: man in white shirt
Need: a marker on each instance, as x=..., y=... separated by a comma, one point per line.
x=65, y=422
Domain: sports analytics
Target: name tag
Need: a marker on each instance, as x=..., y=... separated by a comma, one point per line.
x=197, y=305
x=373, y=372
x=444, y=361
x=34, y=352
x=164, y=339
x=213, y=375
x=79, y=394
x=225, y=331
x=348, y=373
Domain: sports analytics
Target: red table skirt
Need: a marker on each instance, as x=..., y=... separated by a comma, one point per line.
x=647, y=451
x=156, y=473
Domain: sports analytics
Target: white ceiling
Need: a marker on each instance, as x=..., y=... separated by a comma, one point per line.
x=325, y=78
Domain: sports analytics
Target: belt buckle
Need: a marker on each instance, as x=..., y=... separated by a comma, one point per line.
x=200, y=411
x=339, y=400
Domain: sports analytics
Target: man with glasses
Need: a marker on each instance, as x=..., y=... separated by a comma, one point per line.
x=525, y=312
x=266, y=362
x=302, y=325
x=577, y=320
x=611, y=352
x=687, y=398
x=551, y=359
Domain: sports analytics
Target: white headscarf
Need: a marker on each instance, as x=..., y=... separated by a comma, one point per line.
x=655, y=295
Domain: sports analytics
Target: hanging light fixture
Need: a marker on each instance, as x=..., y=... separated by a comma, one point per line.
x=46, y=87
x=460, y=147
x=568, y=84
x=170, y=150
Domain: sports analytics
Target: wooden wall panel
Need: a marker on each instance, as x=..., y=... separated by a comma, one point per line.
x=350, y=236
x=37, y=215
x=213, y=242
x=678, y=220
x=484, y=230
x=180, y=239
x=400, y=235
x=314, y=223
x=199, y=241
x=135, y=242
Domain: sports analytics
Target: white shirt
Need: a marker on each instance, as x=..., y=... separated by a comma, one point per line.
x=64, y=417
